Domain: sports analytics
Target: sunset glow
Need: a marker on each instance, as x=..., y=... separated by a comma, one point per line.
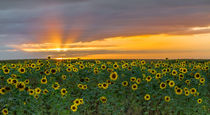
x=96, y=29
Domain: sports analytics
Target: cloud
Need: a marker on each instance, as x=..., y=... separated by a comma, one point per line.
x=88, y=23
x=160, y=44
x=27, y=21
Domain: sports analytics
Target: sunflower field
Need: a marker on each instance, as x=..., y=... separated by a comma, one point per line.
x=104, y=87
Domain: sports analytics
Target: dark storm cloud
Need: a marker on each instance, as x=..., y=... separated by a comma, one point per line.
x=97, y=19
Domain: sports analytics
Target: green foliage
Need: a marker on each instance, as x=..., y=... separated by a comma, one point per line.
x=111, y=98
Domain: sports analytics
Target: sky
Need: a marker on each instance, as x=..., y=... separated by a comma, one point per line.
x=105, y=29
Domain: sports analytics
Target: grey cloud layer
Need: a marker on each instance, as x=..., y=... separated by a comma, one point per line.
x=97, y=19
x=21, y=20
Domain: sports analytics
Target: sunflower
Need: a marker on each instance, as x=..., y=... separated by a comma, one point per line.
x=138, y=80
x=22, y=70
x=81, y=101
x=84, y=87
x=9, y=80
x=26, y=81
x=113, y=76
x=56, y=86
x=100, y=85
x=68, y=69
x=20, y=86
x=105, y=85
x=96, y=71
x=186, y=93
x=13, y=66
x=178, y=91
x=148, y=78
x=4, y=111
x=181, y=75
x=108, y=81
x=45, y=91
x=180, y=78
x=53, y=70
x=63, y=91
x=171, y=83
x=79, y=86
x=167, y=98
x=13, y=76
x=33, y=65
x=115, y=66
x=6, y=71
x=76, y=102
x=134, y=87
x=38, y=90
x=143, y=62
x=36, y=96
x=158, y=76
x=187, y=82
x=184, y=70
x=7, y=88
x=109, y=70
x=132, y=79
x=199, y=100
x=31, y=92
x=47, y=72
x=86, y=79
x=193, y=91
x=74, y=108
x=174, y=72
x=164, y=70
x=129, y=68
x=185, y=89
x=125, y=83
x=176, y=87
x=147, y=97
x=103, y=99
x=2, y=91
x=81, y=66
x=133, y=63
x=103, y=66
x=75, y=70
x=153, y=71
x=63, y=77
x=197, y=75
x=163, y=85
x=44, y=80
x=202, y=80
x=97, y=61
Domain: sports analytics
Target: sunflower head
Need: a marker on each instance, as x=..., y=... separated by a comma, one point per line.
x=134, y=87
x=103, y=99
x=167, y=98
x=74, y=108
x=147, y=97
x=113, y=76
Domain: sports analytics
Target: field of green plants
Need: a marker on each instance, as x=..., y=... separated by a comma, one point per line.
x=105, y=87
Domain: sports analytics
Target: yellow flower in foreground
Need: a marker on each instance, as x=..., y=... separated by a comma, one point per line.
x=74, y=108
x=103, y=99
x=5, y=111
x=113, y=76
x=199, y=100
x=167, y=98
x=147, y=97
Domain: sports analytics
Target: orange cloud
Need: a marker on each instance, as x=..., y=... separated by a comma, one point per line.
x=160, y=42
